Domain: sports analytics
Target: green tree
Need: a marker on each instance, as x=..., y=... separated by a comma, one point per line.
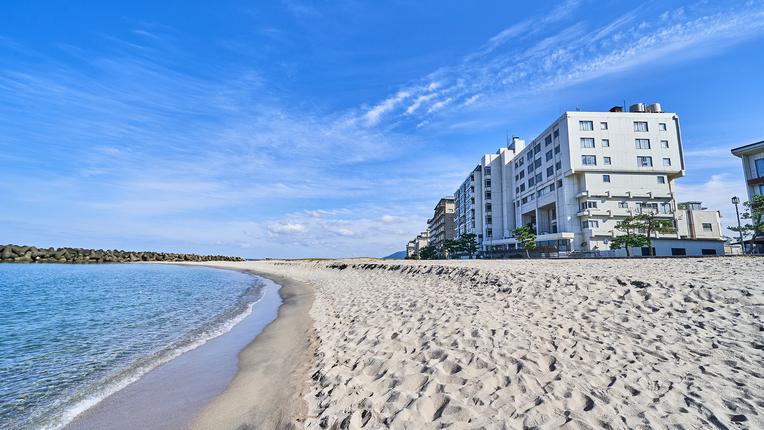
x=631, y=238
x=754, y=213
x=468, y=243
x=451, y=247
x=652, y=224
x=526, y=238
x=428, y=252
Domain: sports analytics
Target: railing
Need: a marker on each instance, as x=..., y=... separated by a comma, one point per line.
x=753, y=173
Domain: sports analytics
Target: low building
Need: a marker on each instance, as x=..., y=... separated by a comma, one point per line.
x=415, y=247
x=441, y=225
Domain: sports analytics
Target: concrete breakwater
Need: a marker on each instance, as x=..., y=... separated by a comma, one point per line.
x=30, y=254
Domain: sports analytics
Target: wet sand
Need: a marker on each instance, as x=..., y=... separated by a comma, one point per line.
x=274, y=371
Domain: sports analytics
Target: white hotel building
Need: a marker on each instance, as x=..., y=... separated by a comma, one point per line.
x=581, y=176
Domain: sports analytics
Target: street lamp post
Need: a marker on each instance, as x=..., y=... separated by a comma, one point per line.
x=736, y=201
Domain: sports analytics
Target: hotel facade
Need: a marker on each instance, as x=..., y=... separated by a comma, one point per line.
x=582, y=175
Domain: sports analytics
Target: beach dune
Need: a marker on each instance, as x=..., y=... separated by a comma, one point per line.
x=579, y=344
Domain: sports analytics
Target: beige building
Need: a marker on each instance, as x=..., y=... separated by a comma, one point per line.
x=441, y=225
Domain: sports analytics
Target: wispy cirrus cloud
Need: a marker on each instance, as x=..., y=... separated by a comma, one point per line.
x=508, y=67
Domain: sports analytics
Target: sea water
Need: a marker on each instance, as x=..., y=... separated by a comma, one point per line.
x=72, y=334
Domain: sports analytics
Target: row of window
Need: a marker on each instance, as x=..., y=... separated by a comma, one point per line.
x=638, y=126
x=539, y=193
x=664, y=208
x=588, y=142
x=591, y=160
x=661, y=179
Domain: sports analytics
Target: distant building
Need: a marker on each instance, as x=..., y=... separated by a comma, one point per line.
x=414, y=247
x=753, y=167
x=441, y=225
x=580, y=177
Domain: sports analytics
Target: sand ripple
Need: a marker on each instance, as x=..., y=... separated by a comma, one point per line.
x=614, y=344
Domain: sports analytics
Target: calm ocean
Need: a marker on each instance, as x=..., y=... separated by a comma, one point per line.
x=72, y=334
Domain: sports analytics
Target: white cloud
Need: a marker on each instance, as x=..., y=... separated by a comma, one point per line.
x=287, y=228
x=374, y=115
x=389, y=219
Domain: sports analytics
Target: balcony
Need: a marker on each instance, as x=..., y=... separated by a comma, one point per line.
x=754, y=176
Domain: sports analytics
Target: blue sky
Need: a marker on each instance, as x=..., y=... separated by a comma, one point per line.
x=331, y=129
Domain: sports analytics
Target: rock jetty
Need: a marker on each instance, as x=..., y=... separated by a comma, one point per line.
x=31, y=254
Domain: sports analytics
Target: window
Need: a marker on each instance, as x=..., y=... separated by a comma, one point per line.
x=522, y=161
x=517, y=190
x=517, y=177
x=707, y=227
x=531, y=182
x=451, y=218
x=557, y=149
x=640, y=126
x=539, y=178
x=643, y=143
x=623, y=205
x=666, y=161
x=760, y=167
x=605, y=178
x=550, y=171
x=558, y=165
x=587, y=142
x=537, y=149
x=662, y=127
x=530, y=168
x=543, y=191
x=585, y=125
x=606, y=160
x=665, y=208
x=450, y=235
x=590, y=160
x=516, y=165
x=588, y=205
x=450, y=227
x=678, y=251
x=529, y=156
x=603, y=126
x=605, y=143
x=533, y=197
x=487, y=183
x=538, y=163
x=488, y=207
x=557, y=133
x=522, y=187
x=522, y=174
x=591, y=224
x=548, y=140
x=525, y=200
x=708, y=252
x=488, y=220
x=664, y=143
x=487, y=171
x=661, y=180
x=644, y=161
x=549, y=155
x=488, y=195
x=551, y=187
x=559, y=183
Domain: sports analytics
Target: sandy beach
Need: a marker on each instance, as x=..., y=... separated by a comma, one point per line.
x=622, y=344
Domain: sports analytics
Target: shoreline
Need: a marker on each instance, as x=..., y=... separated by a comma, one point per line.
x=269, y=388
x=170, y=395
